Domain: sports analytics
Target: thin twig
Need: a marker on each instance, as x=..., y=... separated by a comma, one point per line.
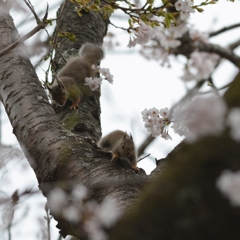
x=234, y=45
x=143, y=157
x=222, y=30
x=145, y=144
x=54, y=46
x=41, y=25
x=48, y=219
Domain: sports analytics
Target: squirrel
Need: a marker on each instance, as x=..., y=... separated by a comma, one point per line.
x=69, y=82
x=121, y=145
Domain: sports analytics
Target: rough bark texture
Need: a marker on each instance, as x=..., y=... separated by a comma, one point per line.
x=58, y=156
x=181, y=203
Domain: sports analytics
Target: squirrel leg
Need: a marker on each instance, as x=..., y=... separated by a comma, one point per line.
x=114, y=157
x=134, y=166
x=75, y=103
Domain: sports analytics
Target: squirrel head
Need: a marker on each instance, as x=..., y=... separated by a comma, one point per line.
x=93, y=53
x=58, y=92
x=127, y=147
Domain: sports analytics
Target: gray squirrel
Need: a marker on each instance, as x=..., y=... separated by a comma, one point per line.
x=69, y=82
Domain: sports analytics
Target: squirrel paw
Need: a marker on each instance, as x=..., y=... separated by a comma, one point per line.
x=114, y=157
x=135, y=168
x=73, y=107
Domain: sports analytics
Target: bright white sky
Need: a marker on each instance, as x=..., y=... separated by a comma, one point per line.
x=138, y=84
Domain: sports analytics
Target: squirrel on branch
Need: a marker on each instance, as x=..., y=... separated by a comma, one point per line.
x=120, y=144
x=69, y=82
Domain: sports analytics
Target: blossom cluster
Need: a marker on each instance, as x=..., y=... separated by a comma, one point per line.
x=142, y=34
x=229, y=184
x=200, y=66
x=185, y=8
x=94, y=217
x=156, y=122
x=95, y=82
x=193, y=118
x=168, y=39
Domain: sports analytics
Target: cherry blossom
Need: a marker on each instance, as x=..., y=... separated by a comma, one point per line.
x=233, y=122
x=93, y=83
x=198, y=36
x=156, y=122
x=142, y=34
x=185, y=8
x=199, y=117
x=229, y=184
x=164, y=112
x=200, y=66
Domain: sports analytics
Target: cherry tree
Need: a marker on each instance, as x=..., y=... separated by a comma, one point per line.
x=194, y=191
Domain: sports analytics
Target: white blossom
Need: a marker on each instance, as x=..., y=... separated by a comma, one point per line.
x=107, y=212
x=93, y=83
x=142, y=35
x=164, y=112
x=100, y=216
x=199, y=117
x=179, y=5
x=106, y=73
x=229, y=184
x=132, y=43
x=96, y=68
x=184, y=14
x=156, y=122
x=200, y=66
x=145, y=114
x=233, y=122
x=179, y=125
x=95, y=232
x=57, y=199
x=179, y=30
x=153, y=112
x=79, y=193
x=71, y=213
x=198, y=36
x=185, y=8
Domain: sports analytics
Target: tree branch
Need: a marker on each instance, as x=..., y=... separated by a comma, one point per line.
x=222, y=30
x=224, y=53
x=61, y=158
x=234, y=45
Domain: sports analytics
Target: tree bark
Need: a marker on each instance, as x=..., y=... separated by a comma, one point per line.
x=62, y=153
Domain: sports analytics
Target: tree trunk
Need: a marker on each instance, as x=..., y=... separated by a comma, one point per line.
x=62, y=155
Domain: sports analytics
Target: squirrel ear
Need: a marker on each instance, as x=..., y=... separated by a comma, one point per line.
x=131, y=136
x=125, y=134
x=60, y=83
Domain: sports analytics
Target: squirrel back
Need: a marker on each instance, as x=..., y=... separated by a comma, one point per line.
x=92, y=53
x=120, y=144
x=69, y=82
